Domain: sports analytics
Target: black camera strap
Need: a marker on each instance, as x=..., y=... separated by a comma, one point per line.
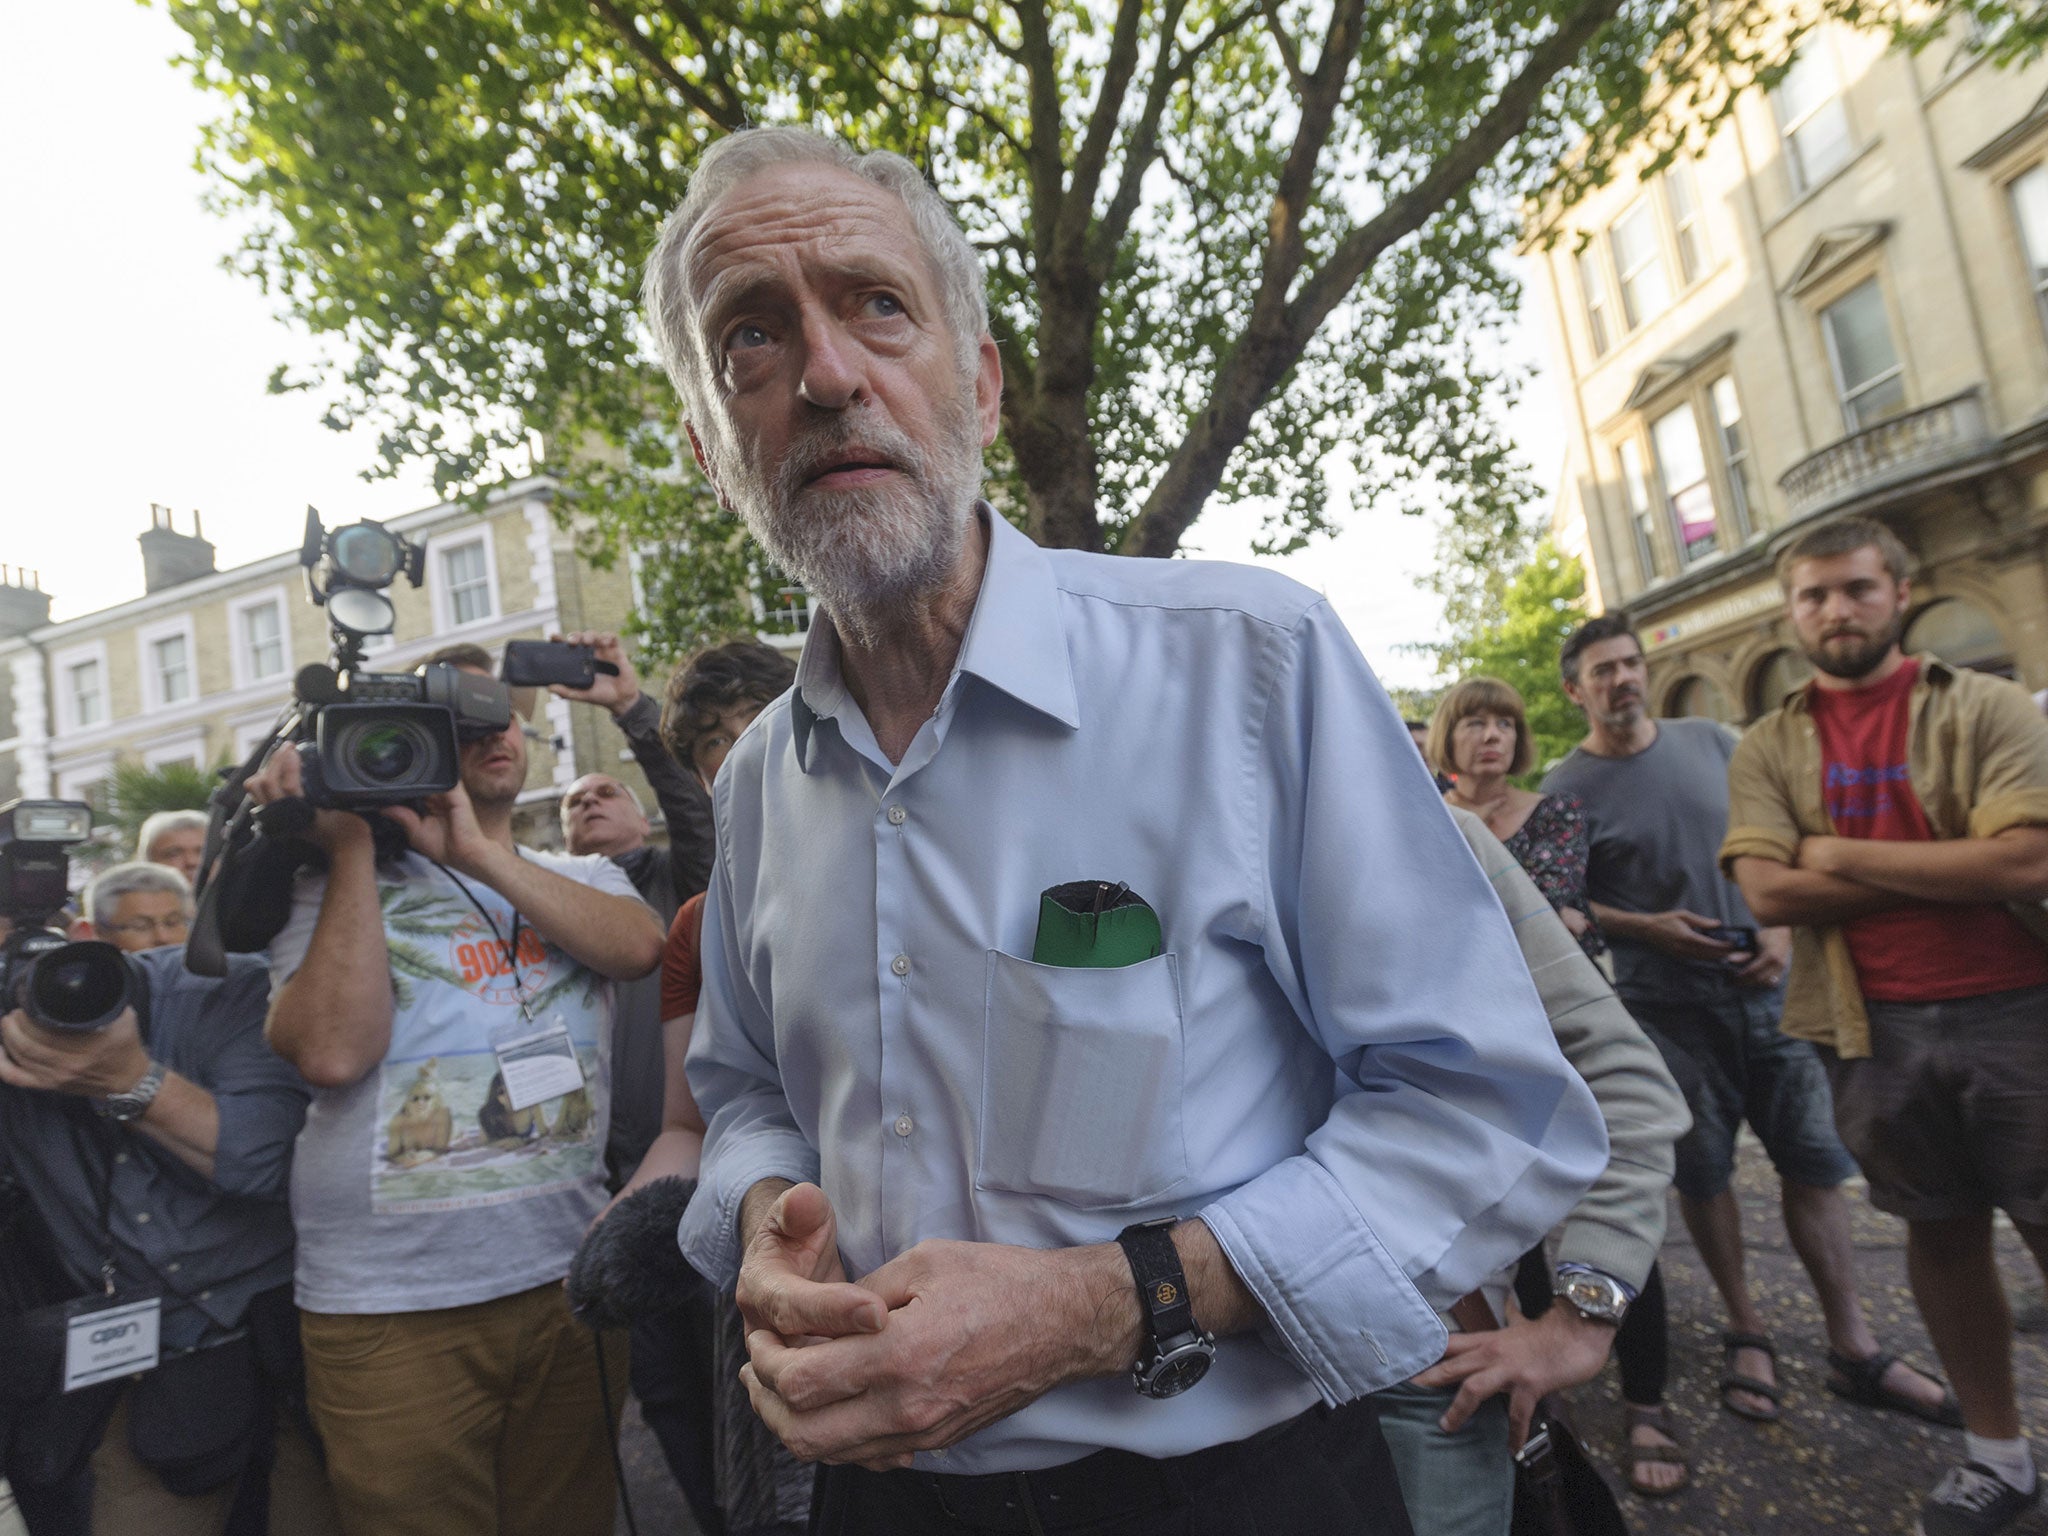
x=511, y=947
x=89, y=1139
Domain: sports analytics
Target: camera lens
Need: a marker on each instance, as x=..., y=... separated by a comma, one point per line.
x=78, y=987
x=386, y=753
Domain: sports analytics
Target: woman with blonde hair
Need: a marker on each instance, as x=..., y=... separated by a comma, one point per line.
x=1480, y=737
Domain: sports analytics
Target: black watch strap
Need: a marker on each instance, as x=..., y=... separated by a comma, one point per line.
x=1162, y=1288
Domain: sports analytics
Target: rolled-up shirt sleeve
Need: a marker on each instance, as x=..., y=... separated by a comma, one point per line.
x=260, y=1097
x=751, y=1134
x=1459, y=1134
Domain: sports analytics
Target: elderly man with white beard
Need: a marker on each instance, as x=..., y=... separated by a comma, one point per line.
x=1090, y=969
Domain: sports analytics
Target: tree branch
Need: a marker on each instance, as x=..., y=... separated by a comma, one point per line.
x=1144, y=147
x=727, y=115
x=930, y=89
x=1042, y=160
x=1274, y=338
x=981, y=24
x=1290, y=50
x=1086, y=180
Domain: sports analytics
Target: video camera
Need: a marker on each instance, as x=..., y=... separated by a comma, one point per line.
x=59, y=983
x=366, y=740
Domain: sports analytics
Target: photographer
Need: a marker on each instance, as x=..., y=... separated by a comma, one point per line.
x=437, y=1205
x=157, y=1152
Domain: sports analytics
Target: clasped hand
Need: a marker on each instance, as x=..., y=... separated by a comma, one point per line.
x=936, y=1344
x=1525, y=1360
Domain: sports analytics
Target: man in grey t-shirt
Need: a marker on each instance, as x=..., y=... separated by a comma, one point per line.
x=1707, y=985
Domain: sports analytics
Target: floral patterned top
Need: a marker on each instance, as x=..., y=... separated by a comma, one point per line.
x=1552, y=845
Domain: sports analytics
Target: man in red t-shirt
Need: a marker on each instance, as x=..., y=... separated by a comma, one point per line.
x=1895, y=811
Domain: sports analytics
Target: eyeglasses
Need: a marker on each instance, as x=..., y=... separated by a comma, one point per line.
x=135, y=927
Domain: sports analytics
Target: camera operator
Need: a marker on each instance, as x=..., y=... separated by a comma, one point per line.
x=602, y=815
x=437, y=1207
x=157, y=1151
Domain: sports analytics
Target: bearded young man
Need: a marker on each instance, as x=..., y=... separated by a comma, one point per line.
x=1891, y=810
x=438, y=1209
x=1323, y=1108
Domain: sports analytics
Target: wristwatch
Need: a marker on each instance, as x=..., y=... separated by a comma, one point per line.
x=134, y=1104
x=1597, y=1297
x=1176, y=1352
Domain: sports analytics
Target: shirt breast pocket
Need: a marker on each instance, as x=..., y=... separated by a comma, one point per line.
x=1082, y=1082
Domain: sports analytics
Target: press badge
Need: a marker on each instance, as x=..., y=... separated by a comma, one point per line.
x=537, y=1059
x=105, y=1340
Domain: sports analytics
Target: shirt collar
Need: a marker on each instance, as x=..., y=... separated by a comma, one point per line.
x=1016, y=641
x=1932, y=670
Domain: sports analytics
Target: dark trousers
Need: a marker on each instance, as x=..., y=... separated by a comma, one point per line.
x=1326, y=1473
x=670, y=1365
x=1641, y=1347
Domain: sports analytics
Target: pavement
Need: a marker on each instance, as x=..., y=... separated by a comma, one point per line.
x=1825, y=1467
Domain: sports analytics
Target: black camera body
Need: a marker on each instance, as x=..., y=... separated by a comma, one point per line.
x=386, y=738
x=59, y=983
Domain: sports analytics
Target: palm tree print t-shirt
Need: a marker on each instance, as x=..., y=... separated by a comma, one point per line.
x=421, y=1186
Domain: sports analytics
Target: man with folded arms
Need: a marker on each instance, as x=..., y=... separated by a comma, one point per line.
x=1889, y=811
x=1328, y=1105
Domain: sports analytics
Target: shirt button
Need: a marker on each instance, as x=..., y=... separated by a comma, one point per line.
x=120, y=1157
x=142, y=1218
x=206, y=1296
x=173, y=1267
x=900, y=965
x=898, y=815
x=904, y=1125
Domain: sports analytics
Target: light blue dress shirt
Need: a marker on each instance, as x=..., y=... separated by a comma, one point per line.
x=1339, y=1062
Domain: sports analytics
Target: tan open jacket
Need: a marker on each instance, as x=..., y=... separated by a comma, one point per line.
x=1977, y=757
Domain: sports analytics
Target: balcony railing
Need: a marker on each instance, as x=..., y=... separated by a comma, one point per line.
x=1894, y=453
x=789, y=614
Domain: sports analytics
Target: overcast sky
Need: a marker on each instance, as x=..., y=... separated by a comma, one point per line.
x=135, y=366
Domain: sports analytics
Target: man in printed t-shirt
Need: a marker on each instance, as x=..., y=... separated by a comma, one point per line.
x=453, y=1008
x=1891, y=810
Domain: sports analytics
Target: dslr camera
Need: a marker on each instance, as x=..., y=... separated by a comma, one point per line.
x=379, y=738
x=59, y=983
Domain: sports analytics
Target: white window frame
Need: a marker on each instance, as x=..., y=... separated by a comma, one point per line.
x=146, y=640
x=238, y=640
x=1741, y=515
x=1851, y=422
x=2033, y=264
x=1684, y=172
x=1689, y=555
x=1802, y=178
x=1601, y=308
x=185, y=747
x=73, y=779
x=61, y=663
x=1638, y=493
x=438, y=546
x=1645, y=206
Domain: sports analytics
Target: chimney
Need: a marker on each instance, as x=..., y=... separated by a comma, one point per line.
x=170, y=557
x=24, y=605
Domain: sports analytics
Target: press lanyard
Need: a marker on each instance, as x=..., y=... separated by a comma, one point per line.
x=510, y=948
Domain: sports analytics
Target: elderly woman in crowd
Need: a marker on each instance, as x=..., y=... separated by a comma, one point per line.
x=1479, y=738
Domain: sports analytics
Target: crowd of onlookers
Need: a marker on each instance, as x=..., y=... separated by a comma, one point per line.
x=1273, y=1167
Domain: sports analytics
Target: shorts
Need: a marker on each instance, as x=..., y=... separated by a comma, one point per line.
x=1949, y=1113
x=1732, y=1064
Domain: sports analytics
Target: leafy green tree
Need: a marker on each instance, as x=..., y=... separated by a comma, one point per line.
x=136, y=793
x=1511, y=624
x=1225, y=239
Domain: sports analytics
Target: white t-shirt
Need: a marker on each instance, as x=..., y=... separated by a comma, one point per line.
x=418, y=1187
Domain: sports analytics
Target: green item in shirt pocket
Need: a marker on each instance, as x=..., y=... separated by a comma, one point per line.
x=1098, y=923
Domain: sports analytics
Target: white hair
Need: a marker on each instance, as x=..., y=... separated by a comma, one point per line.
x=167, y=821
x=563, y=809
x=672, y=307
x=103, y=896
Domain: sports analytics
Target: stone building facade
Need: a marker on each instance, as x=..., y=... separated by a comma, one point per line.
x=200, y=667
x=1835, y=304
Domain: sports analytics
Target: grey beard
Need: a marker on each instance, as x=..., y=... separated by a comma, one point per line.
x=865, y=554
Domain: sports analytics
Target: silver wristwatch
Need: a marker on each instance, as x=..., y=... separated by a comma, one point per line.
x=134, y=1104
x=1596, y=1297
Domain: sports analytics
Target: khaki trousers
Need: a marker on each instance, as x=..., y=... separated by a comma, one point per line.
x=484, y=1420
x=130, y=1500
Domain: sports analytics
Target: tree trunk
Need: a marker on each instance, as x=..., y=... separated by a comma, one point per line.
x=1049, y=427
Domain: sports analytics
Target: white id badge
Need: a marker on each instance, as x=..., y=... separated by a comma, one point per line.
x=537, y=1059
x=115, y=1339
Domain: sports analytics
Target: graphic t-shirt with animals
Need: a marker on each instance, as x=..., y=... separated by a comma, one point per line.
x=421, y=1186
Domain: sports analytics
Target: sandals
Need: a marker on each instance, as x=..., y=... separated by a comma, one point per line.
x=1672, y=1455
x=1862, y=1382
x=1734, y=1381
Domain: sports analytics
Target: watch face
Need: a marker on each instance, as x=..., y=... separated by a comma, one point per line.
x=1177, y=1372
x=1592, y=1297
